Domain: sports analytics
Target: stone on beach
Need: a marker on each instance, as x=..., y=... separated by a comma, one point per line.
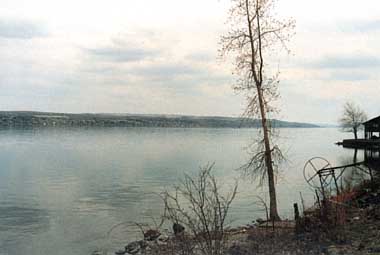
x=120, y=252
x=151, y=235
x=178, y=229
x=133, y=247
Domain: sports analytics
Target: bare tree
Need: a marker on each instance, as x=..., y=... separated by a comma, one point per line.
x=254, y=33
x=352, y=118
x=198, y=204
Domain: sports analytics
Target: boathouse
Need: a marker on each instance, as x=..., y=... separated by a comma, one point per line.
x=372, y=129
x=371, y=136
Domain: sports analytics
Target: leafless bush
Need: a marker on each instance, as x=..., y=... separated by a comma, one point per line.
x=198, y=205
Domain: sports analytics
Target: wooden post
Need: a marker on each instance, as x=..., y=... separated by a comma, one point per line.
x=296, y=212
x=296, y=218
x=336, y=183
x=318, y=200
x=321, y=182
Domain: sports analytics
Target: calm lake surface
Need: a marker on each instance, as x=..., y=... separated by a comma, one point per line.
x=61, y=191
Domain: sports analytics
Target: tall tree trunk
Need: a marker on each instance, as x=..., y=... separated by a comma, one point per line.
x=268, y=160
x=258, y=79
x=355, y=133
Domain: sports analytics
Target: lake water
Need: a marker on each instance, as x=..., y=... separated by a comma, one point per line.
x=62, y=190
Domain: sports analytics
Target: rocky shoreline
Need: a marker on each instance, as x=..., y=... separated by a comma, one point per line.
x=356, y=230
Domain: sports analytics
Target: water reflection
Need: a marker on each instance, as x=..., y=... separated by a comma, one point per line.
x=372, y=159
x=16, y=223
x=73, y=185
x=366, y=166
x=18, y=217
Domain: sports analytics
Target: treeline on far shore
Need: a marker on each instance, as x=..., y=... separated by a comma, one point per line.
x=18, y=119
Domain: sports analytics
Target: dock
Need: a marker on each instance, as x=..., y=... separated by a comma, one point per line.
x=361, y=143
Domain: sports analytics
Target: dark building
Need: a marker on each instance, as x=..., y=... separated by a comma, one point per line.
x=372, y=128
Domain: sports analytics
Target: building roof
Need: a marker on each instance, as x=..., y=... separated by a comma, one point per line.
x=376, y=119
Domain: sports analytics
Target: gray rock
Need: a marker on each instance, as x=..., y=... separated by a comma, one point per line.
x=151, y=235
x=163, y=239
x=336, y=250
x=143, y=244
x=260, y=221
x=120, y=252
x=237, y=249
x=133, y=247
x=374, y=250
x=178, y=229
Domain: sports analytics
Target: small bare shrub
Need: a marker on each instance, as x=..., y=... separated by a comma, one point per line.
x=198, y=205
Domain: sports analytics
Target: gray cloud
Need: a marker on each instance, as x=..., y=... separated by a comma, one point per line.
x=21, y=29
x=346, y=62
x=349, y=76
x=154, y=63
x=118, y=54
x=166, y=70
x=201, y=57
x=360, y=26
x=155, y=70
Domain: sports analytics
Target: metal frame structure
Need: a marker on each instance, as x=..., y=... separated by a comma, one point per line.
x=327, y=174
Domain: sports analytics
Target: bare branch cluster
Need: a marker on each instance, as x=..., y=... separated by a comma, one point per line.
x=352, y=118
x=253, y=35
x=198, y=204
x=255, y=167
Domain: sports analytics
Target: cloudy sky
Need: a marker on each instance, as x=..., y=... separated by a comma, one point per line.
x=149, y=56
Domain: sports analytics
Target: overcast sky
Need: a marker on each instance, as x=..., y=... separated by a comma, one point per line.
x=150, y=56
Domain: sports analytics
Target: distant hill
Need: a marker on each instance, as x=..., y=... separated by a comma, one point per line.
x=29, y=119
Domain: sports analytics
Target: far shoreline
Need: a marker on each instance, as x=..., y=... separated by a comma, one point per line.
x=32, y=119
